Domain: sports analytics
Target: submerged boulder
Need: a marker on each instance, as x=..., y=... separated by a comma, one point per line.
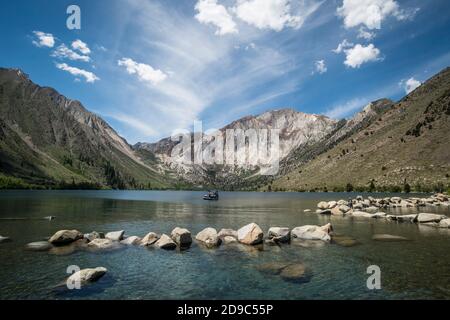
x=279, y=234
x=208, y=237
x=133, y=240
x=115, y=235
x=4, y=239
x=273, y=268
x=361, y=214
x=166, y=243
x=87, y=275
x=250, y=234
x=182, y=237
x=149, y=239
x=294, y=272
x=310, y=232
x=39, y=246
x=344, y=241
x=388, y=237
x=63, y=237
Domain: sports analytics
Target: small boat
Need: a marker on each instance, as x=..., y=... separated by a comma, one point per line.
x=211, y=195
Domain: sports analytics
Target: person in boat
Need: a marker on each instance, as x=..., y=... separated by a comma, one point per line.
x=212, y=195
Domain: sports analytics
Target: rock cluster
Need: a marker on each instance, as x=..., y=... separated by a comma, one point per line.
x=371, y=208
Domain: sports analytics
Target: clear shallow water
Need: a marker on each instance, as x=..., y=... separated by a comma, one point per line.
x=417, y=269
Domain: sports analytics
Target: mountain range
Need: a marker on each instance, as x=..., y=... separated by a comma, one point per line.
x=48, y=140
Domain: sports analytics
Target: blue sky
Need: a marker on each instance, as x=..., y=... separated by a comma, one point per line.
x=150, y=67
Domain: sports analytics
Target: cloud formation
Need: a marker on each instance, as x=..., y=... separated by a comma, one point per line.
x=145, y=72
x=410, y=85
x=369, y=13
x=359, y=55
x=365, y=34
x=320, y=66
x=210, y=12
x=88, y=76
x=44, y=39
x=63, y=52
x=274, y=14
x=345, y=44
x=81, y=47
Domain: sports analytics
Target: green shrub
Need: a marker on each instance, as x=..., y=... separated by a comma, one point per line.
x=407, y=188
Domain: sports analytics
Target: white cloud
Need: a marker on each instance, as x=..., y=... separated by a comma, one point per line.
x=44, y=39
x=210, y=12
x=89, y=76
x=320, y=66
x=369, y=13
x=364, y=34
x=359, y=54
x=274, y=14
x=342, y=46
x=144, y=72
x=81, y=46
x=64, y=52
x=410, y=85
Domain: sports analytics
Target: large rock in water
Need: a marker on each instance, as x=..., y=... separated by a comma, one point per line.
x=312, y=232
x=322, y=205
x=182, y=237
x=149, y=239
x=87, y=275
x=250, y=234
x=444, y=223
x=429, y=217
x=115, y=235
x=166, y=243
x=208, y=237
x=278, y=234
x=63, y=237
x=337, y=212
